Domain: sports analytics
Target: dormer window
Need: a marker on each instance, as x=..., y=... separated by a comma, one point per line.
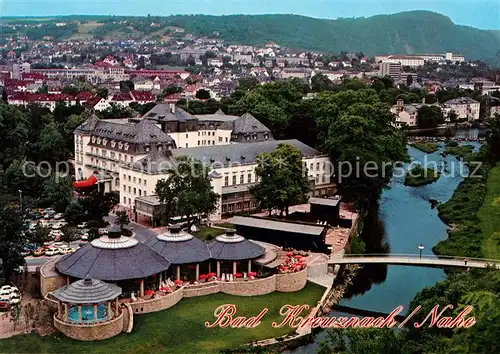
x=255, y=137
x=98, y=140
x=126, y=146
x=266, y=136
x=113, y=143
x=104, y=141
x=120, y=145
x=93, y=139
x=147, y=148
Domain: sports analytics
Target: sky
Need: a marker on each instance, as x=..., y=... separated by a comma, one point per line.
x=483, y=14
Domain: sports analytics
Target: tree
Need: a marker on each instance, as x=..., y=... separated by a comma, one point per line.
x=321, y=83
x=122, y=218
x=493, y=135
x=39, y=235
x=283, y=182
x=187, y=191
x=12, y=240
x=52, y=144
x=70, y=234
x=57, y=192
x=74, y=213
x=429, y=116
x=247, y=83
x=409, y=80
x=126, y=86
x=13, y=124
x=202, y=94
x=452, y=116
x=171, y=89
x=102, y=92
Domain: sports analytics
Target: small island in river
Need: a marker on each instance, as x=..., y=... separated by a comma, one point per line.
x=425, y=146
x=419, y=176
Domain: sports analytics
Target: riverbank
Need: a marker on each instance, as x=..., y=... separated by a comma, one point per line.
x=473, y=214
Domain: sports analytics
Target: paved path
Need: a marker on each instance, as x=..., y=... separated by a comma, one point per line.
x=416, y=260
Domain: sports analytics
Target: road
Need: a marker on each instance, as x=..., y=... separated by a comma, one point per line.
x=143, y=234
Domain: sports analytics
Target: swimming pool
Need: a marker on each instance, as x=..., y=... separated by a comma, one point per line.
x=88, y=314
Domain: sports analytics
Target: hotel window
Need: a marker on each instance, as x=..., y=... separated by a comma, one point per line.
x=242, y=177
x=186, y=136
x=234, y=180
x=198, y=143
x=317, y=166
x=129, y=178
x=220, y=139
x=124, y=200
x=317, y=178
x=226, y=180
x=226, y=139
x=134, y=179
x=322, y=178
x=249, y=178
x=140, y=192
x=124, y=176
x=311, y=167
x=129, y=189
x=187, y=145
x=145, y=183
x=125, y=158
x=91, y=150
x=131, y=159
x=112, y=154
x=198, y=135
x=97, y=151
x=213, y=133
x=129, y=201
x=238, y=206
x=120, y=157
x=145, y=193
x=124, y=188
x=103, y=152
x=324, y=166
x=135, y=191
x=140, y=181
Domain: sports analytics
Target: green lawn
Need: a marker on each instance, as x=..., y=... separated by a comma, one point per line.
x=489, y=216
x=425, y=147
x=227, y=225
x=179, y=329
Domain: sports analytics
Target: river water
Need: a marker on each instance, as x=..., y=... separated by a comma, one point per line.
x=407, y=221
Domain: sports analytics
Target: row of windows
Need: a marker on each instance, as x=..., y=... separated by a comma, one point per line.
x=112, y=154
x=203, y=133
x=239, y=206
x=103, y=164
x=234, y=179
x=135, y=180
x=133, y=190
x=318, y=164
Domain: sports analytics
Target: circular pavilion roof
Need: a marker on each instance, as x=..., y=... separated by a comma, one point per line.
x=87, y=291
x=113, y=259
x=233, y=247
x=179, y=247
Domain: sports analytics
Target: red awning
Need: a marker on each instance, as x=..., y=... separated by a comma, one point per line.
x=85, y=184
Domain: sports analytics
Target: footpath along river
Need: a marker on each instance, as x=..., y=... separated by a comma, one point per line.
x=409, y=221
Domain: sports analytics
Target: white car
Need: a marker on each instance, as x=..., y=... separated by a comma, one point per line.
x=56, y=233
x=59, y=216
x=15, y=298
x=82, y=225
x=66, y=250
x=85, y=237
x=5, y=294
x=58, y=225
x=58, y=244
x=51, y=251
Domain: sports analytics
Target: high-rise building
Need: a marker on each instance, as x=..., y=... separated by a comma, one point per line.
x=393, y=70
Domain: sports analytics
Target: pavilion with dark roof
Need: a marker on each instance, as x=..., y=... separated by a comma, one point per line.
x=231, y=250
x=115, y=258
x=182, y=250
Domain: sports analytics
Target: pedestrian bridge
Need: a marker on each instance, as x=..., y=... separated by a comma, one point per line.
x=415, y=260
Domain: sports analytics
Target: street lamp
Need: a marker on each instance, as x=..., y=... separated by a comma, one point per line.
x=20, y=200
x=421, y=248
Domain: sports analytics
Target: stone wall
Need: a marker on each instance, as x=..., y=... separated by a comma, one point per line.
x=250, y=287
x=202, y=290
x=158, y=304
x=289, y=282
x=50, y=280
x=128, y=318
x=90, y=332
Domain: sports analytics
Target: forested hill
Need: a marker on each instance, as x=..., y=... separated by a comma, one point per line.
x=405, y=32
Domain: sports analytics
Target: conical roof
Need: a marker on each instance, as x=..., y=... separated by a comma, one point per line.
x=180, y=247
x=233, y=247
x=87, y=291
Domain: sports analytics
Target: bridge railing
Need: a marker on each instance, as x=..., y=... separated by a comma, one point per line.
x=417, y=256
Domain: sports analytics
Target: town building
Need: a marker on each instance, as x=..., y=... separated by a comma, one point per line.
x=393, y=70
x=464, y=108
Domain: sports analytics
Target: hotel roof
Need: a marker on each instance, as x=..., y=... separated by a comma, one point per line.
x=270, y=224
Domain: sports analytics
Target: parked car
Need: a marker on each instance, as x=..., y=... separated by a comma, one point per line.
x=103, y=231
x=51, y=251
x=82, y=225
x=58, y=226
x=5, y=303
x=56, y=233
x=66, y=250
x=85, y=237
x=39, y=252
x=58, y=216
x=15, y=298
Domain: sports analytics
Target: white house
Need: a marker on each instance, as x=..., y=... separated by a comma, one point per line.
x=464, y=107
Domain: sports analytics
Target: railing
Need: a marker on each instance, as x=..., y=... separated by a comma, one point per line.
x=417, y=256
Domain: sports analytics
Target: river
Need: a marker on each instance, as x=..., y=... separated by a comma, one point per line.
x=407, y=221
